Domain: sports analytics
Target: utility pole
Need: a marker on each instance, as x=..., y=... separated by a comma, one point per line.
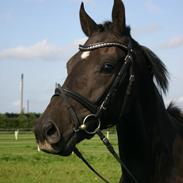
x=22, y=94
x=27, y=106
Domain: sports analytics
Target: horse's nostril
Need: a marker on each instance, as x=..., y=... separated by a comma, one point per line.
x=52, y=133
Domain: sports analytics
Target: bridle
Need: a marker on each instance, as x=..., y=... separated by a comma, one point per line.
x=97, y=111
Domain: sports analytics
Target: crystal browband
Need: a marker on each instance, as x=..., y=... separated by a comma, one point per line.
x=101, y=45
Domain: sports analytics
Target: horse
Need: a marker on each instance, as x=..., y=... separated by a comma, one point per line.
x=114, y=81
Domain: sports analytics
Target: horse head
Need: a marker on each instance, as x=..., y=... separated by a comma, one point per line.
x=100, y=79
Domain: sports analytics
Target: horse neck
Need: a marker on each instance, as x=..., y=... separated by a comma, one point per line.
x=142, y=135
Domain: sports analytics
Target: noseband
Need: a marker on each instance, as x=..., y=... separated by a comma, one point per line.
x=97, y=111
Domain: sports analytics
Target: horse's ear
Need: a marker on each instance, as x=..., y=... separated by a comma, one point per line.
x=118, y=16
x=88, y=25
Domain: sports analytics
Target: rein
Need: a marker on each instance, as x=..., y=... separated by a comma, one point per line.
x=97, y=111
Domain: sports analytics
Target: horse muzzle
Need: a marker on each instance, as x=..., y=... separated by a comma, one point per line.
x=50, y=139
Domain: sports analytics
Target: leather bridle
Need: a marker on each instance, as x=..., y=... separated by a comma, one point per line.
x=97, y=111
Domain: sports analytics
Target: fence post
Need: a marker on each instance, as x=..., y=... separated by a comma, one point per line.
x=16, y=134
x=108, y=134
x=38, y=149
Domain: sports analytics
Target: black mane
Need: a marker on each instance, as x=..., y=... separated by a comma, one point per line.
x=158, y=69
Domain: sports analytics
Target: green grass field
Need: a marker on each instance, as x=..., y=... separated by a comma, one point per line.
x=20, y=162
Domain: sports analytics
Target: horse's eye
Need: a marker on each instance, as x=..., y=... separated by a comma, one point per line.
x=107, y=68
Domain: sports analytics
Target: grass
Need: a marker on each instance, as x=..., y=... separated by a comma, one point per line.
x=21, y=163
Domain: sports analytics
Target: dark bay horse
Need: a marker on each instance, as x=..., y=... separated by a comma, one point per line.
x=113, y=80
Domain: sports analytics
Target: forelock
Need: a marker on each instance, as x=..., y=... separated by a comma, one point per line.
x=109, y=27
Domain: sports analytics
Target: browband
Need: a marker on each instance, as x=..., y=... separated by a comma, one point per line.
x=101, y=45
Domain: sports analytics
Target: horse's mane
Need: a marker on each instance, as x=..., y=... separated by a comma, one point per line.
x=175, y=112
x=158, y=69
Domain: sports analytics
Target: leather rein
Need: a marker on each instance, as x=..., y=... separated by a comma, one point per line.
x=97, y=111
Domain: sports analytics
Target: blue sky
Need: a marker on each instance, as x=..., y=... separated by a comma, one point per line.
x=37, y=37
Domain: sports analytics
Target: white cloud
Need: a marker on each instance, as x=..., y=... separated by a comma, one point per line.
x=148, y=29
x=152, y=7
x=42, y=50
x=180, y=100
x=174, y=42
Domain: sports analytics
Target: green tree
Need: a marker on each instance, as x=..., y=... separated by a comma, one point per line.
x=31, y=120
x=2, y=121
x=23, y=120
